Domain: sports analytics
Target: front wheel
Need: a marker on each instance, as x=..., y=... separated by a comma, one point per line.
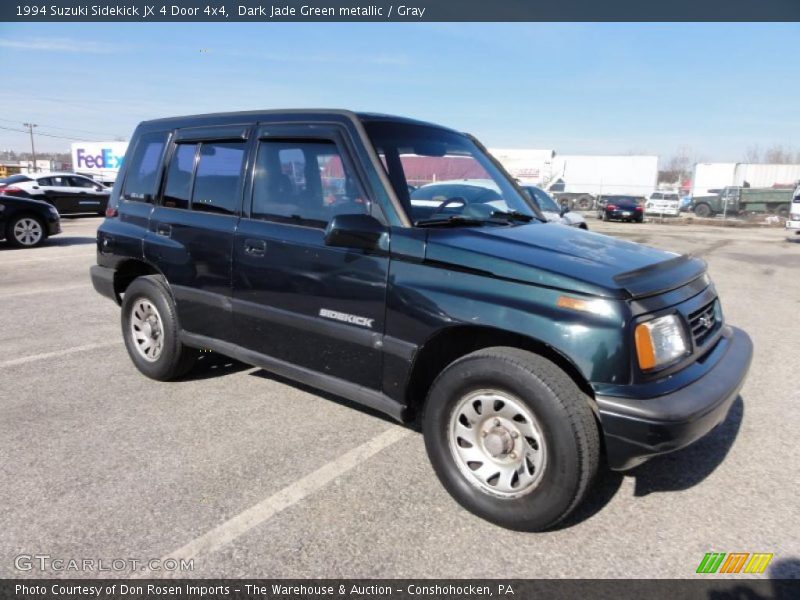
x=150, y=330
x=511, y=437
x=25, y=231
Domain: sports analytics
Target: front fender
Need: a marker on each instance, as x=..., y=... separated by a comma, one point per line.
x=422, y=299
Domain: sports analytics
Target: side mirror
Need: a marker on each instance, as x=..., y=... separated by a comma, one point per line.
x=354, y=231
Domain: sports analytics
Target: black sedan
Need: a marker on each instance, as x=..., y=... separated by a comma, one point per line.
x=25, y=222
x=621, y=208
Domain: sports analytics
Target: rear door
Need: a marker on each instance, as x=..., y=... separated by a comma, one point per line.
x=296, y=299
x=191, y=228
x=58, y=192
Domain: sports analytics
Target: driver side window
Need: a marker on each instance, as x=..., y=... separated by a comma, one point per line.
x=80, y=182
x=304, y=181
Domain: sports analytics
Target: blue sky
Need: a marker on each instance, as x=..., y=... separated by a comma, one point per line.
x=578, y=88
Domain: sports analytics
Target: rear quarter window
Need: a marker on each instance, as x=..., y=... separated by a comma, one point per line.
x=144, y=166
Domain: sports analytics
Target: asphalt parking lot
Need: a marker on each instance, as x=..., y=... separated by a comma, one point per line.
x=252, y=476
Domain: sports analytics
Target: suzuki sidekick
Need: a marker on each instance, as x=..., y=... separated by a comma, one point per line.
x=290, y=240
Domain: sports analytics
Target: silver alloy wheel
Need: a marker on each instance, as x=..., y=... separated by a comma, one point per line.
x=28, y=231
x=147, y=329
x=497, y=443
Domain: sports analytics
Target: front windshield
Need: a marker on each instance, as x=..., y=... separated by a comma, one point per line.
x=442, y=175
x=542, y=198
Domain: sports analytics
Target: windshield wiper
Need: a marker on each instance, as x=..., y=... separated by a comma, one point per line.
x=513, y=215
x=453, y=220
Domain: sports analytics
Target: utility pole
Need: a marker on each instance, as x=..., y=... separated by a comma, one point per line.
x=30, y=127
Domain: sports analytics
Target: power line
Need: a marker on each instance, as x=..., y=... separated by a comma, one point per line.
x=67, y=128
x=50, y=135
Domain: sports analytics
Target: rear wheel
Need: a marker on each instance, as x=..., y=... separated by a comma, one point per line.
x=25, y=231
x=511, y=437
x=150, y=330
x=703, y=210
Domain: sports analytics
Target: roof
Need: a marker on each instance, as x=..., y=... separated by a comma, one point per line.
x=52, y=174
x=232, y=117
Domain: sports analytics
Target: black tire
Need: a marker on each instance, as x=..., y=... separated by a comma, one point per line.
x=703, y=211
x=174, y=359
x=557, y=404
x=20, y=241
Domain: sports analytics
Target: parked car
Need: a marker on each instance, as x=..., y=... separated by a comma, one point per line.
x=18, y=178
x=68, y=192
x=621, y=208
x=552, y=211
x=452, y=197
x=25, y=222
x=522, y=348
x=663, y=203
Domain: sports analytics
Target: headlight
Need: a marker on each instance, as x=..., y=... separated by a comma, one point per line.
x=660, y=342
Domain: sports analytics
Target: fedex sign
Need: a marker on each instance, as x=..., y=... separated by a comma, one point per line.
x=98, y=157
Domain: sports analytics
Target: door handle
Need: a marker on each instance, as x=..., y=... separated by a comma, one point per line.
x=163, y=229
x=255, y=247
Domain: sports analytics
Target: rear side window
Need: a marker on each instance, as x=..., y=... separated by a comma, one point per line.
x=216, y=182
x=178, y=189
x=142, y=170
x=56, y=181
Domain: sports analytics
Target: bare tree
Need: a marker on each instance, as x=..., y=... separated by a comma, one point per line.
x=678, y=166
x=752, y=154
x=777, y=154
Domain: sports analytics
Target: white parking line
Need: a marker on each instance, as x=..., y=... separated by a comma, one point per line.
x=45, y=355
x=50, y=290
x=288, y=496
x=23, y=261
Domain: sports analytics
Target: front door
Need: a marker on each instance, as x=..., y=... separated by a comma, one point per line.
x=296, y=299
x=89, y=195
x=190, y=237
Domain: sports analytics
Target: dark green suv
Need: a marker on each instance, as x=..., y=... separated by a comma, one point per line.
x=290, y=240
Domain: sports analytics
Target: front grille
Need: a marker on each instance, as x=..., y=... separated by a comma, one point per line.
x=703, y=323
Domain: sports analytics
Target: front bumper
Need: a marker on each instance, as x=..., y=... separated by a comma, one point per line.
x=638, y=429
x=103, y=282
x=53, y=227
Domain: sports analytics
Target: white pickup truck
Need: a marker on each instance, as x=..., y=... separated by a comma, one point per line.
x=663, y=203
x=793, y=222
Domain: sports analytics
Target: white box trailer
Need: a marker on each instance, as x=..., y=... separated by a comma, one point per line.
x=717, y=176
x=582, y=179
x=761, y=175
x=100, y=160
x=531, y=166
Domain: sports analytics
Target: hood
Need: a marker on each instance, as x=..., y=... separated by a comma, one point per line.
x=24, y=200
x=566, y=258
